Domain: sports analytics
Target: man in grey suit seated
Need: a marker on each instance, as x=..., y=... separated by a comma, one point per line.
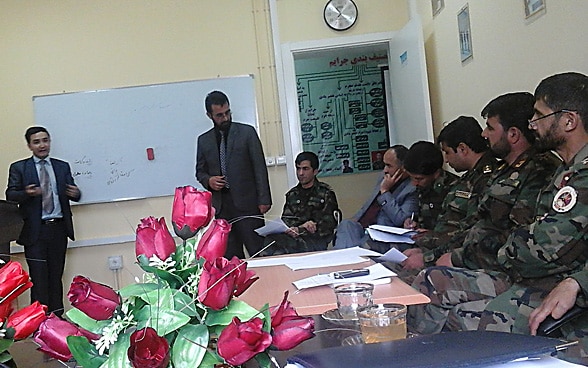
x=393, y=200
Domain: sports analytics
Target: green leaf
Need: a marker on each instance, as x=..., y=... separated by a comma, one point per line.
x=185, y=304
x=137, y=289
x=162, y=298
x=263, y=359
x=81, y=319
x=117, y=357
x=211, y=359
x=5, y=344
x=84, y=352
x=5, y=357
x=267, y=318
x=236, y=308
x=190, y=346
x=174, y=281
x=163, y=321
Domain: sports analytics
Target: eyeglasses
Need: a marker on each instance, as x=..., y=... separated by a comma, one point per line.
x=533, y=122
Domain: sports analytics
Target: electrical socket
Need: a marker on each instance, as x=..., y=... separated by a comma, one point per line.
x=115, y=263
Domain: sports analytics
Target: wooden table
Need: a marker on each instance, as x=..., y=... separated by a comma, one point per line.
x=274, y=280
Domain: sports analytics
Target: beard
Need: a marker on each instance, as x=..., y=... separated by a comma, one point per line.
x=501, y=149
x=550, y=140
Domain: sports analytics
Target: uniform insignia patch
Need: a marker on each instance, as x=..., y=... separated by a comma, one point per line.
x=463, y=194
x=565, y=199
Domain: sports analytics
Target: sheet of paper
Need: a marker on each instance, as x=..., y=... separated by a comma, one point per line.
x=276, y=226
x=378, y=274
x=393, y=255
x=322, y=259
x=386, y=237
x=393, y=230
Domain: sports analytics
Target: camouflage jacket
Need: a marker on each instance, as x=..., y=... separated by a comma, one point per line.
x=555, y=245
x=507, y=203
x=460, y=203
x=316, y=204
x=431, y=199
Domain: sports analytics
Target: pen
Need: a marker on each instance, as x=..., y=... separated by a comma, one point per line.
x=351, y=273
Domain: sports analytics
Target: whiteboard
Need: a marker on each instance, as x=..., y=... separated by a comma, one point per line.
x=105, y=135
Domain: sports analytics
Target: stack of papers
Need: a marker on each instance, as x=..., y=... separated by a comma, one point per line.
x=390, y=234
x=315, y=260
x=378, y=275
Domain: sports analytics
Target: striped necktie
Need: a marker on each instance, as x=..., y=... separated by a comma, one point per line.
x=47, y=194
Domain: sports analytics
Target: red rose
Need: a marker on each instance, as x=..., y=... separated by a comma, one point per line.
x=241, y=341
x=52, y=337
x=148, y=350
x=27, y=320
x=216, y=285
x=192, y=210
x=13, y=282
x=288, y=328
x=213, y=243
x=244, y=278
x=282, y=311
x=96, y=300
x=153, y=238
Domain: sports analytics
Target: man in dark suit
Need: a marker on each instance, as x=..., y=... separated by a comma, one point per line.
x=43, y=187
x=231, y=164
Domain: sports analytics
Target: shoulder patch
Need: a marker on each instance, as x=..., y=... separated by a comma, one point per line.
x=565, y=199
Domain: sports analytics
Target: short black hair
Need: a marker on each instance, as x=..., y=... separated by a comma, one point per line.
x=565, y=91
x=400, y=151
x=308, y=156
x=464, y=129
x=34, y=130
x=423, y=158
x=215, y=98
x=513, y=110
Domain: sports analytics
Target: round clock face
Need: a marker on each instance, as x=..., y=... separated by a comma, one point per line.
x=340, y=14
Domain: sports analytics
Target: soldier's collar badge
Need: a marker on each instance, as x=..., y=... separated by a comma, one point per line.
x=565, y=199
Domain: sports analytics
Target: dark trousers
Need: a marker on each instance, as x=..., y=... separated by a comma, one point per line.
x=243, y=224
x=46, y=260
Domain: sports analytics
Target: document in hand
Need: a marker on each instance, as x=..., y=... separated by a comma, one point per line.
x=390, y=234
x=276, y=226
x=451, y=349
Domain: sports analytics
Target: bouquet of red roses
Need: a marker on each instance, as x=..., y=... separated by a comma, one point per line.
x=16, y=325
x=183, y=313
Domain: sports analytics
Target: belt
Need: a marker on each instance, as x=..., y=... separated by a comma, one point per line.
x=52, y=221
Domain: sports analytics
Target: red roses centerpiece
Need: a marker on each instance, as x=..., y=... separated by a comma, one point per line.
x=16, y=325
x=183, y=313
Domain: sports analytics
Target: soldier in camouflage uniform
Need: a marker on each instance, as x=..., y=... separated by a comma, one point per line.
x=548, y=260
x=424, y=164
x=465, y=150
x=508, y=202
x=308, y=212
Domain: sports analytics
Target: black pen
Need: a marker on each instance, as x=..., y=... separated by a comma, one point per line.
x=350, y=273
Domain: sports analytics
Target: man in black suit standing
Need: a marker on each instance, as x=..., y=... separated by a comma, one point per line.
x=231, y=164
x=43, y=187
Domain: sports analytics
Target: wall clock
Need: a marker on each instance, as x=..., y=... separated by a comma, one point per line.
x=340, y=14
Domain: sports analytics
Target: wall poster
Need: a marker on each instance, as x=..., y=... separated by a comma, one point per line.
x=343, y=117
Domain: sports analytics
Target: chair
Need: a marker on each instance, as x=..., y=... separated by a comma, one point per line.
x=338, y=215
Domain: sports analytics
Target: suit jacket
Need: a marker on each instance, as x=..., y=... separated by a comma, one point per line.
x=23, y=173
x=246, y=169
x=395, y=206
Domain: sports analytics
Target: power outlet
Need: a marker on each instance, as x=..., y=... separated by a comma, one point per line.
x=115, y=263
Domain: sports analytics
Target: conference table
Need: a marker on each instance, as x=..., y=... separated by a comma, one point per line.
x=274, y=280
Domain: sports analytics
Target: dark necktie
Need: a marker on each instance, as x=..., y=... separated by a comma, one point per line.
x=223, y=157
x=47, y=195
